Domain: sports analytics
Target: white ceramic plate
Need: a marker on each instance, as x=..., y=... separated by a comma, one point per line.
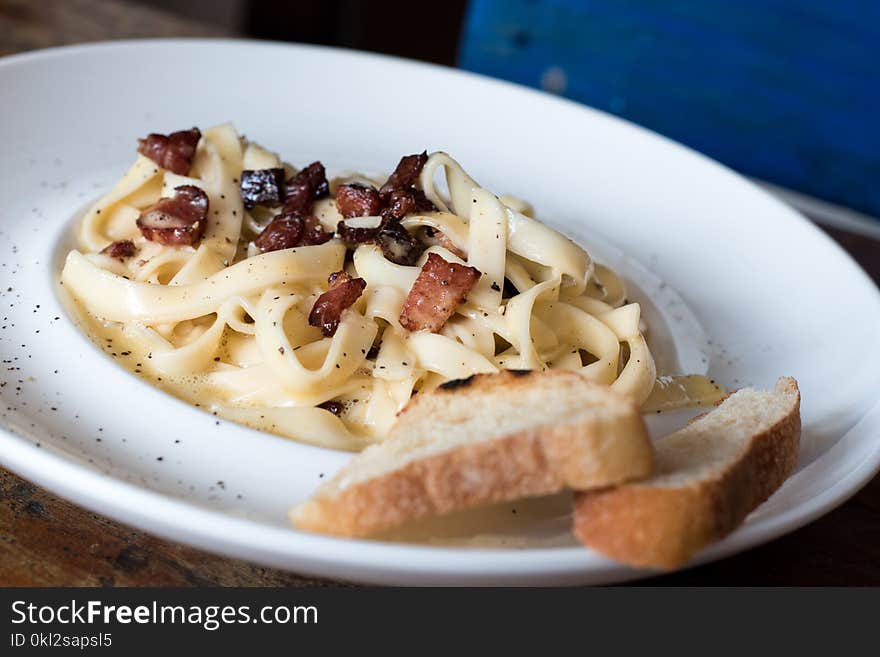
x=773, y=294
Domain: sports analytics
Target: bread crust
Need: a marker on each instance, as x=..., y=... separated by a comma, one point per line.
x=652, y=526
x=592, y=451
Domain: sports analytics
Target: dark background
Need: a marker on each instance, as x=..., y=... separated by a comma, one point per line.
x=394, y=27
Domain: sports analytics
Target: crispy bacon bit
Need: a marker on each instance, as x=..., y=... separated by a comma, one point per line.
x=400, y=203
x=354, y=235
x=313, y=232
x=398, y=245
x=305, y=188
x=262, y=187
x=356, y=200
x=394, y=239
x=176, y=221
x=393, y=201
x=173, y=152
x=283, y=232
x=423, y=204
x=298, y=197
x=287, y=231
x=327, y=311
x=406, y=173
x=440, y=287
x=317, y=178
x=121, y=250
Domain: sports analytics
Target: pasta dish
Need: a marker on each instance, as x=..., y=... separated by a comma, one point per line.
x=315, y=309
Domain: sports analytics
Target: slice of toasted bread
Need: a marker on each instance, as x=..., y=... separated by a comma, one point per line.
x=710, y=476
x=485, y=439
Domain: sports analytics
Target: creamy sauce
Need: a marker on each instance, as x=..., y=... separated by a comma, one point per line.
x=115, y=339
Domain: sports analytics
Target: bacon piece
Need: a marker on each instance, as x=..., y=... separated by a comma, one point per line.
x=287, y=231
x=356, y=200
x=298, y=197
x=317, y=178
x=314, y=233
x=423, y=203
x=179, y=220
x=440, y=287
x=173, y=152
x=354, y=235
x=400, y=203
x=121, y=250
x=398, y=245
x=327, y=311
x=399, y=198
x=283, y=232
x=305, y=187
x=262, y=187
x=406, y=173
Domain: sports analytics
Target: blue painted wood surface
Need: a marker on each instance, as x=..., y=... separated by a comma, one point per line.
x=785, y=90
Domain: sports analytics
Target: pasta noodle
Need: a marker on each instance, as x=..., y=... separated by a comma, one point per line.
x=226, y=326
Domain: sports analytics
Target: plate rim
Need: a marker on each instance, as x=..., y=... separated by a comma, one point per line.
x=217, y=531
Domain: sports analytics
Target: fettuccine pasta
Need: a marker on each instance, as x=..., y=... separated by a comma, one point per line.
x=214, y=311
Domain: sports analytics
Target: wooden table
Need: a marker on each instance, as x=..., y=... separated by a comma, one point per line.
x=47, y=541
